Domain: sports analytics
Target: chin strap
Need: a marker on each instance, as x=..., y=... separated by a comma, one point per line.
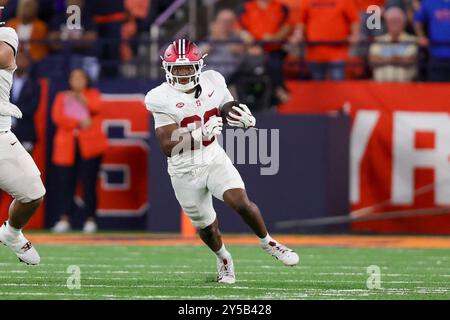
x=198, y=91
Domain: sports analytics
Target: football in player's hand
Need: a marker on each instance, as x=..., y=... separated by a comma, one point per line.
x=228, y=108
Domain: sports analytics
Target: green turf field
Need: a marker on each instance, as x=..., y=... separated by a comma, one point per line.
x=187, y=272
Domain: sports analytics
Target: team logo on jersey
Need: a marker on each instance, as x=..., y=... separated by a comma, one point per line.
x=180, y=105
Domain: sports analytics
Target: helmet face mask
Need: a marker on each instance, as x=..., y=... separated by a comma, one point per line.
x=183, y=63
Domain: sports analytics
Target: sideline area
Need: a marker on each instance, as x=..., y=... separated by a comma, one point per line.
x=152, y=239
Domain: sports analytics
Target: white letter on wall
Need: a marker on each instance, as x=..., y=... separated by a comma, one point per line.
x=363, y=126
x=406, y=158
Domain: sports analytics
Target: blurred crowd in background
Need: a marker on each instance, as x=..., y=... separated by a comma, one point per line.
x=268, y=40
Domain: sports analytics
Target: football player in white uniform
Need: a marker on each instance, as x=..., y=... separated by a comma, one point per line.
x=19, y=175
x=186, y=111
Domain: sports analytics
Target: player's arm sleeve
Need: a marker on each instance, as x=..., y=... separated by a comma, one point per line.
x=220, y=80
x=154, y=103
x=227, y=98
x=162, y=119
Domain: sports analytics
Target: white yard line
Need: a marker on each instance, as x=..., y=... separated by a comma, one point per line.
x=34, y=269
x=266, y=289
x=146, y=297
x=133, y=286
x=311, y=293
x=63, y=278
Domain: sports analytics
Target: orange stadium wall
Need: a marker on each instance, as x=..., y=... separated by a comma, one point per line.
x=399, y=149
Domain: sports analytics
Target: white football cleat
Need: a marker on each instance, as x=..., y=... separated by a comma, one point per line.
x=20, y=245
x=90, y=227
x=225, y=271
x=61, y=226
x=282, y=253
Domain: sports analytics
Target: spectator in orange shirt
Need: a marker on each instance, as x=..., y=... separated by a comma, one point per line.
x=136, y=23
x=328, y=21
x=268, y=20
x=78, y=146
x=294, y=7
x=30, y=28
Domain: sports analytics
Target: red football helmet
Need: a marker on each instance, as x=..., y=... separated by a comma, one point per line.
x=183, y=52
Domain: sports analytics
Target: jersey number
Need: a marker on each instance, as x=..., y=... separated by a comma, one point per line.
x=196, y=118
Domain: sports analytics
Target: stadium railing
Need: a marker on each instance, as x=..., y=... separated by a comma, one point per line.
x=142, y=62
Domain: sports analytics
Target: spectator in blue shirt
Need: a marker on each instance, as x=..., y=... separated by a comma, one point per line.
x=435, y=16
x=81, y=43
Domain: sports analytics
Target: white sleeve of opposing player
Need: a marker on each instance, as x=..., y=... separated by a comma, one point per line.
x=162, y=119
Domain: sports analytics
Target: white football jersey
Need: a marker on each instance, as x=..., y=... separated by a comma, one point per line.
x=169, y=106
x=6, y=80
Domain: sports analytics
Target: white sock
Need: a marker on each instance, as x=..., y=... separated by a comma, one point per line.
x=265, y=241
x=12, y=230
x=222, y=253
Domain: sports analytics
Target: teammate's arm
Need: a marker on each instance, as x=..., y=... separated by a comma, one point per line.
x=173, y=139
x=7, y=59
x=167, y=141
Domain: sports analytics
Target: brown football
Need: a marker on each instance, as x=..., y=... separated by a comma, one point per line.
x=227, y=108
